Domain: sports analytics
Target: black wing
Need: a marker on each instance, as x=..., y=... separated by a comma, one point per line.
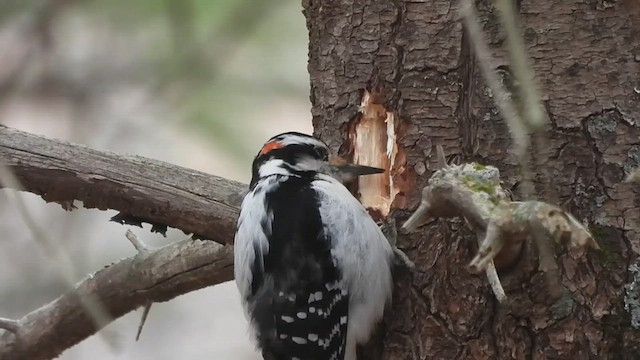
x=299, y=305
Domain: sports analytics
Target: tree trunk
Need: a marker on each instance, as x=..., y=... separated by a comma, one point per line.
x=402, y=76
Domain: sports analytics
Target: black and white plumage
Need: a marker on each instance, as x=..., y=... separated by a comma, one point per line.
x=312, y=267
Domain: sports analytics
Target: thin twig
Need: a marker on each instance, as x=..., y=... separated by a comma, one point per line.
x=10, y=325
x=532, y=111
x=137, y=243
x=142, y=250
x=500, y=95
x=514, y=121
x=529, y=97
x=145, y=313
x=494, y=282
x=490, y=268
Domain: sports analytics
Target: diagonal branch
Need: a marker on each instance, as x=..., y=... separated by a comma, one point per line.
x=157, y=276
x=141, y=189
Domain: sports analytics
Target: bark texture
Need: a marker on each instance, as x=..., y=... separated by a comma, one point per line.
x=414, y=57
x=142, y=189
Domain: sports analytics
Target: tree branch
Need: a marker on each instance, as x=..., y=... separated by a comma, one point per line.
x=156, y=276
x=474, y=192
x=141, y=189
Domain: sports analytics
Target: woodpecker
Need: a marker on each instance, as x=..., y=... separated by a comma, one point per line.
x=312, y=267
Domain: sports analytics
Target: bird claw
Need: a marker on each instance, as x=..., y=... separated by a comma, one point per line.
x=390, y=231
x=401, y=259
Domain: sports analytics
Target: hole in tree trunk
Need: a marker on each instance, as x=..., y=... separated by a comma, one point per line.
x=373, y=141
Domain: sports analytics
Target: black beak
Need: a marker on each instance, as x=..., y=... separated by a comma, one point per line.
x=357, y=170
x=350, y=171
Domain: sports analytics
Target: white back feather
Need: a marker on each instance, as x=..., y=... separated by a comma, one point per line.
x=250, y=235
x=361, y=251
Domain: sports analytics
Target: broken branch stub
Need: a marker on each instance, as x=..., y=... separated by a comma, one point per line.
x=474, y=192
x=142, y=249
x=10, y=325
x=470, y=191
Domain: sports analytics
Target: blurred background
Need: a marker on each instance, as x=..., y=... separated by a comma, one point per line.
x=197, y=83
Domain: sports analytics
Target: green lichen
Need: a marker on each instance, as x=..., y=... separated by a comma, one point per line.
x=480, y=184
x=486, y=187
x=479, y=167
x=480, y=179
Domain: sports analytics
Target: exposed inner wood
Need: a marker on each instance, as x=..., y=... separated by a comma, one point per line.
x=373, y=138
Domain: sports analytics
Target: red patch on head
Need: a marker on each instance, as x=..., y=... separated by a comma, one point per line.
x=271, y=145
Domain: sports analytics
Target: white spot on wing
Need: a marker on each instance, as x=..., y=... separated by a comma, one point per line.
x=332, y=286
x=327, y=341
x=287, y=319
x=299, y=340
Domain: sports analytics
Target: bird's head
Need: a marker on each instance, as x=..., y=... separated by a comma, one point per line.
x=299, y=154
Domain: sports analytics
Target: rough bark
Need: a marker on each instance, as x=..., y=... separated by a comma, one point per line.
x=143, y=190
x=417, y=61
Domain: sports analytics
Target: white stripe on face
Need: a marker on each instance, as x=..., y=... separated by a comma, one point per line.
x=301, y=139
